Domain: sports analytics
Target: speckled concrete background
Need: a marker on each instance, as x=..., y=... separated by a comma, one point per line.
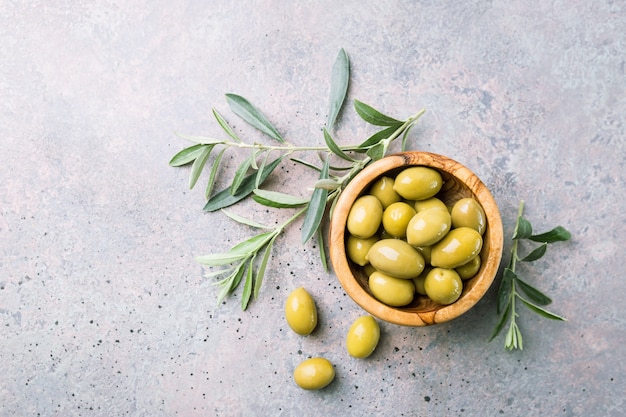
x=104, y=311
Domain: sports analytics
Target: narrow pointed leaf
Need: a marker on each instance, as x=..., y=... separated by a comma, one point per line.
x=320, y=242
x=251, y=245
x=277, y=199
x=542, y=311
x=217, y=272
x=537, y=253
x=219, y=259
x=262, y=267
x=377, y=151
x=327, y=184
x=518, y=338
x=244, y=220
x=224, y=124
x=380, y=135
x=202, y=140
x=198, y=165
x=240, y=175
x=405, y=136
x=504, y=291
x=523, y=229
x=187, y=155
x=224, y=198
x=260, y=170
x=238, y=276
x=338, y=86
x=509, y=342
x=373, y=116
x=244, y=109
x=315, y=211
x=501, y=323
x=533, y=293
x=213, y=176
x=334, y=148
x=306, y=164
x=558, y=234
x=247, y=286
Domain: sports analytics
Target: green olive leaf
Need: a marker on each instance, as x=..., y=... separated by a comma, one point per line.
x=224, y=124
x=380, y=135
x=262, y=267
x=338, y=86
x=244, y=220
x=542, y=311
x=224, y=198
x=558, y=234
x=219, y=259
x=202, y=140
x=306, y=164
x=523, y=229
x=247, y=286
x=277, y=199
x=316, y=208
x=327, y=184
x=235, y=279
x=198, y=165
x=501, y=323
x=504, y=291
x=405, y=137
x=240, y=175
x=251, y=245
x=187, y=155
x=213, y=175
x=373, y=116
x=533, y=293
x=377, y=151
x=322, y=248
x=537, y=253
x=334, y=148
x=253, y=116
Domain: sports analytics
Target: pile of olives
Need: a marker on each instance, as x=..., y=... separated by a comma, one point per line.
x=317, y=372
x=408, y=240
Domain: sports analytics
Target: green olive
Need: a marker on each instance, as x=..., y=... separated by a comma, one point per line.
x=432, y=202
x=428, y=227
x=300, y=312
x=365, y=216
x=382, y=189
x=369, y=269
x=418, y=183
x=357, y=248
x=425, y=251
x=392, y=291
x=314, y=373
x=467, y=212
x=363, y=337
x=396, y=258
x=468, y=270
x=457, y=248
x=443, y=286
x=419, y=281
x=396, y=217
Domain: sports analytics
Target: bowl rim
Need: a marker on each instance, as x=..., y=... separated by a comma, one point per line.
x=337, y=232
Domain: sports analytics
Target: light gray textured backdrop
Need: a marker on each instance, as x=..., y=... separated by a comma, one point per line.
x=103, y=310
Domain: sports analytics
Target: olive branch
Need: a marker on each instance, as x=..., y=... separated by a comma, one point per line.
x=247, y=261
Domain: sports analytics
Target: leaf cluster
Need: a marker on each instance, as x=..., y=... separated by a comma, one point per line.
x=249, y=258
x=513, y=288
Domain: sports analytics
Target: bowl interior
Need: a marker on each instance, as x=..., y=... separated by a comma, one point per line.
x=459, y=182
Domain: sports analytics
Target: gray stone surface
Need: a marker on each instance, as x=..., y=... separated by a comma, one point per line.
x=104, y=311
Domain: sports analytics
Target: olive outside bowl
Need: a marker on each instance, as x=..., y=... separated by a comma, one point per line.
x=458, y=182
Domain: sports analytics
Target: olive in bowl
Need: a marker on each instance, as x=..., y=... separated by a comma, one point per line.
x=475, y=243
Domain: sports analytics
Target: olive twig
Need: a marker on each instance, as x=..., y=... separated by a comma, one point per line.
x=513, y=288
x=242, y=260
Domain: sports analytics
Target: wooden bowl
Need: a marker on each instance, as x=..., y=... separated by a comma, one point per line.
x=459, y=182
